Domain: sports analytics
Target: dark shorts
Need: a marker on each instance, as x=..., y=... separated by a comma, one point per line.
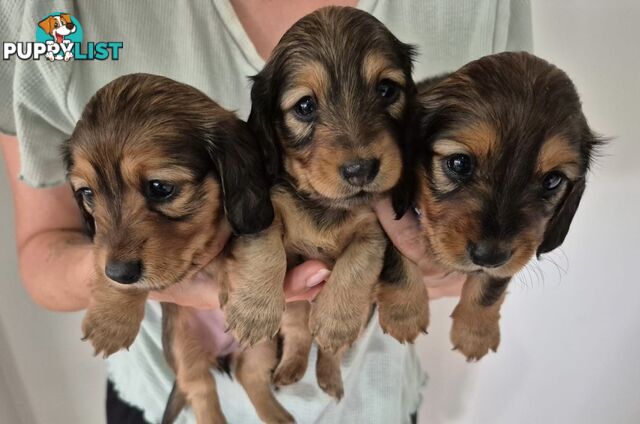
x=120, y=412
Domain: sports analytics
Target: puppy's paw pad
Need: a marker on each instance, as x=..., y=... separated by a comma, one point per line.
x=331, y=333
x=254, y=320
x=474, y=340
x=335, y=323
x=403, y=324
x=108, y=336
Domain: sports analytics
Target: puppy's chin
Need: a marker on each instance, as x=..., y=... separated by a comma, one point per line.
x=344, y=195
x=456, y=259
x=348, y=198
x=153, y=281
x=358, y=199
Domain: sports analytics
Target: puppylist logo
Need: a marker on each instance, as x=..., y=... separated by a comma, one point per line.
x=59, y=37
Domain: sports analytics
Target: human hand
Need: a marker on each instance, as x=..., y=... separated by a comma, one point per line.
x=199, y=290
x=405, y=235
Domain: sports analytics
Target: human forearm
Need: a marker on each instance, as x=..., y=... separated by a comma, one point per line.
x=56, y=268
x=55, y=257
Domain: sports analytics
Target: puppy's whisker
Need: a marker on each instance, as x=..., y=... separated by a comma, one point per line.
x=554, y=260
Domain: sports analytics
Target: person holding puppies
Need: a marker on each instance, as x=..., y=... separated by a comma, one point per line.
x=228, y=42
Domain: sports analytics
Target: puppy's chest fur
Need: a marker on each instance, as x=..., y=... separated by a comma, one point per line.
x=313, y=231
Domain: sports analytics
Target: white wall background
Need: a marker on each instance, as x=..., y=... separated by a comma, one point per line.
x=47, y=375
x=570, y=340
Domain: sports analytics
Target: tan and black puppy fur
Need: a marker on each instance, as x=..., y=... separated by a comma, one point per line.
x=154, y=165
x=502, y=152
x=330, y=108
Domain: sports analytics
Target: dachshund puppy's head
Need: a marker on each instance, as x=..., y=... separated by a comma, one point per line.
x=330, y=105
x=503, y=152
x=153, y=163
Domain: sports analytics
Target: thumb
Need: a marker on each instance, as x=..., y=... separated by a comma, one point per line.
x=305, y=278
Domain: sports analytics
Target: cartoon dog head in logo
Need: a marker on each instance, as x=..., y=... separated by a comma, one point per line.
x=58, y=27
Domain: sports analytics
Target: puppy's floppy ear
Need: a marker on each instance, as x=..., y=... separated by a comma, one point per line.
x=89, y=222
x=245, y=187
x=426, y=116
x=66, y=17
x=46, y=24
x=558, y=226
x=263, y=116
x=403, y=194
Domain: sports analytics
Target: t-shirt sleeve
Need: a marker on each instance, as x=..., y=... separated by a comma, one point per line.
x=42, y=118
x=10, y=11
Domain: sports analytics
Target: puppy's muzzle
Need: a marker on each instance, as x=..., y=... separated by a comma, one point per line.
x=360, y=172
x=124, y=272
x=488, y=253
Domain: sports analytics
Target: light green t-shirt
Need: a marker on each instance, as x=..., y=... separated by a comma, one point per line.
x=202, y=43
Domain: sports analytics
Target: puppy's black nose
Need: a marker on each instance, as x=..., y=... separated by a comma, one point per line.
x=124, y=272
x=70, y=25
x=488, y=253
x=360, y=172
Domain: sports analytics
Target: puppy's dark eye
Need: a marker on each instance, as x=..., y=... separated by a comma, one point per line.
x=460, y=165
x=86, y=194
x=160, y=191
x=305, y=109
x=552, y=181
x=388, y=90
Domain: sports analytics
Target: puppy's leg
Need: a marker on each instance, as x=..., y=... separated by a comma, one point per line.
x=296, y=344
x=403, y=302
x=343, y=306
x=476, y=318
x=253, y=296
x=253, y=370
x=113, y=318
x=328, y=373
x=191, y=361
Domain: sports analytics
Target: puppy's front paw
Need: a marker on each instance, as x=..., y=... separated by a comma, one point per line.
x=254, y=316
x=109, y=330
x=474, y=337
x=277, y=415
x=403, y=311
x=329, y=377
x=336, y=324
x=404, y=322
x=289, y=371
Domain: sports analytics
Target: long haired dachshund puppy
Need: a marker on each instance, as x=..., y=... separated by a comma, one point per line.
x=330, y=106
x=154, y=165
x=503, y=149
